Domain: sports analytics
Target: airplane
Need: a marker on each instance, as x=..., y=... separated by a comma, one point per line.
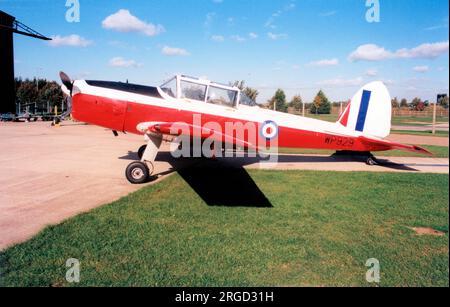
x=202, y=109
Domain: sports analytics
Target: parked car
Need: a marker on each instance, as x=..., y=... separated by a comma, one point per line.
x=8, y=117
x=26, y=117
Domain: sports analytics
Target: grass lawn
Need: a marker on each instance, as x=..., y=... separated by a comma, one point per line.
x=438, y=152
x=294, y=228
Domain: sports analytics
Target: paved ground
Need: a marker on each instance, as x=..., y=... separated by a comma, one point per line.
x=50, y=174
x=419, y=139
x=326, y=163
x=422, y=127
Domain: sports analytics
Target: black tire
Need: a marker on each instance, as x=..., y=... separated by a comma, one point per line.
x=137, y=173
x=141, y=151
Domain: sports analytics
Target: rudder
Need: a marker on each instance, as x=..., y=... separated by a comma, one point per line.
x=369, y=111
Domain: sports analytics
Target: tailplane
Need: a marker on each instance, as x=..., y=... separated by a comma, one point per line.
x=369, y=111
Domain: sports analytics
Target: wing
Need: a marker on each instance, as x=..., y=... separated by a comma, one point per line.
x=178, y=129
x=376, y=144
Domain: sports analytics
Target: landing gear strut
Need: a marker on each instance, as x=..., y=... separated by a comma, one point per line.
x=141, y=151
x=139, y=172
x=371, y=160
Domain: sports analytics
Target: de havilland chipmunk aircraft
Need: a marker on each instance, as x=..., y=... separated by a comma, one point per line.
x=187, y=106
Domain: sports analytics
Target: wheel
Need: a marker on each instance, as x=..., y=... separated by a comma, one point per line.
x=371, y=161
x=137, y=173
x=141, y=151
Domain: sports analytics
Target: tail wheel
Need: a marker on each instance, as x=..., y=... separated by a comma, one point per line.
x=371, y=161
x=137, y=173
x=141, y=151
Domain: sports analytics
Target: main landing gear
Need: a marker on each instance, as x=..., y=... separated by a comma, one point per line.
x=367, y=157
x=139, y=172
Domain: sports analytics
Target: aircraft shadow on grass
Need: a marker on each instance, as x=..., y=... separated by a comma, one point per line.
x=225, y=182
x=214, y=181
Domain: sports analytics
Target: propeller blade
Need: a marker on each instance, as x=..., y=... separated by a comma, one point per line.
x=65, y=79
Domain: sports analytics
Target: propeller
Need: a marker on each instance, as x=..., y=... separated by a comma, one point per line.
x=68, y=85
x=65, y=79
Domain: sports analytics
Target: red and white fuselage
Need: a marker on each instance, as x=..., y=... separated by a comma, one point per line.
x=198, y=103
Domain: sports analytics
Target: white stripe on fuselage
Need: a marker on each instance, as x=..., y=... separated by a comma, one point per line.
x=242, y=112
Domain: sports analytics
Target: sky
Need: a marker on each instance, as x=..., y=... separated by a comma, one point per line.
x=300, y=46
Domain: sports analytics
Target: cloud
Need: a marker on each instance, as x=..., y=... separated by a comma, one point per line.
x=372, y=52
x=270, y=22
x=437, y=27
x=253, y=35
x=171, y=51
x=388, y=82
x=421, y=68
x=328, y=14
x=295, y=67
x=218, y=38
x=371, y=72
x=73, y=40
x=274, y=36
x=238, y=38
x=324, y=63
x=121, y=62
x=340, y=82
x=124, y=21
x=209, y=19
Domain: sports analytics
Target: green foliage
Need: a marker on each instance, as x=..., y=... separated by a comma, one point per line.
x=395, y=103
x=296, y=103
x=443, y=102
x=404, y=103
x=321, y=104
x=39, y=91
x=250, y=92
x=311, y=236
x=279, y=100
x=51, y=92
x=27, y=92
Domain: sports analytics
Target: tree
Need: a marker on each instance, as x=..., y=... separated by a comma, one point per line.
x=443, y=102
x=251, y=93
x=51, y=92
x=395, y=103
x=417, y=104
x=248, y=91
x=296, y=103
x=27, y=92
x=279, y=100
x=403, y=103
x=321, y=104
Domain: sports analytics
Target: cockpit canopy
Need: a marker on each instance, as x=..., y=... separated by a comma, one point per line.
x=184, y=87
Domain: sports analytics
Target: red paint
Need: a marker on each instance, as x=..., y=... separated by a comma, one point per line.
x=100, y=111
x=125, y=116
x=344, y=116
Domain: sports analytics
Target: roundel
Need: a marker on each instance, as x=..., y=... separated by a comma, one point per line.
x=269, y=130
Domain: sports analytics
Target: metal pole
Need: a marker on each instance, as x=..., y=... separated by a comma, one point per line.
x=434, y=118
x=303, y=109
